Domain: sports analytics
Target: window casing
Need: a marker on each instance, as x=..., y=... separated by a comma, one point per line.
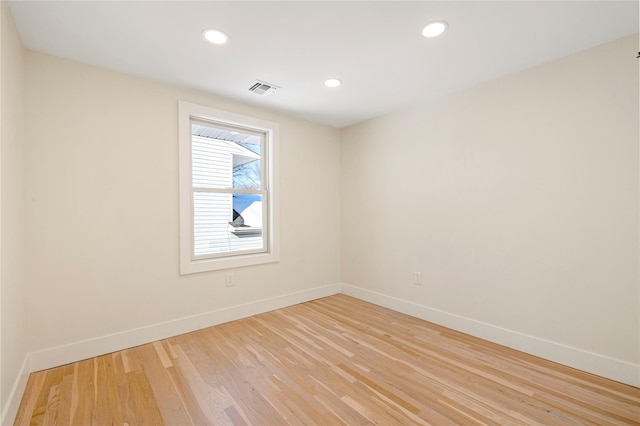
x=228, y=189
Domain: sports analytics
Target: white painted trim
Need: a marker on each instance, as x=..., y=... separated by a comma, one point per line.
x=610, y=368
x=3, y=409
x=15, y=396
x=72, y=352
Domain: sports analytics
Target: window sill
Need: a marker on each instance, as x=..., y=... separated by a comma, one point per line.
x=203, y=265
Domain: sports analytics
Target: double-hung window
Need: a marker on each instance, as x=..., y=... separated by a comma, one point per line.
x=228, y=189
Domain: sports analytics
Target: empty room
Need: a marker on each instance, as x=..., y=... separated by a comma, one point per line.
x=319, y=212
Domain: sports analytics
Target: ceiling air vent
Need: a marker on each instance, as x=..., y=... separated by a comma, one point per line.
x=262, y=88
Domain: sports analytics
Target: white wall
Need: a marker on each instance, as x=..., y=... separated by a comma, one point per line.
x=13, y=342
x=102, y=206
x=517, y=200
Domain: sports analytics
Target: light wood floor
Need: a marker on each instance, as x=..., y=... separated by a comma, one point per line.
x=332, y=361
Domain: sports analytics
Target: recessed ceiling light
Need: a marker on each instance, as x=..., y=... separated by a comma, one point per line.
x=332, y=82
x=434, y=29
x=215, y=36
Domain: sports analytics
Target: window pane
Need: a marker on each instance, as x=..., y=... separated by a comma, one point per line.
x=212, y=164
x=224, y=158
x=248, y=174
x=225, y=223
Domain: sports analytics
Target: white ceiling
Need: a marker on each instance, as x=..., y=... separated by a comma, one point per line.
x=375, y=47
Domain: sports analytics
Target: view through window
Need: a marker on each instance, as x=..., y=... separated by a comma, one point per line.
x=228, y=193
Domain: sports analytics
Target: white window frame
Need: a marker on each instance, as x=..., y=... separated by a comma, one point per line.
x=188, y=262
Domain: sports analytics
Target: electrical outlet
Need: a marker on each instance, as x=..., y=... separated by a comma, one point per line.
x=230, y=280
x=417, y=278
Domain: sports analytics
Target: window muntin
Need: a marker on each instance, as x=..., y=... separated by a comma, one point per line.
x=227, y=168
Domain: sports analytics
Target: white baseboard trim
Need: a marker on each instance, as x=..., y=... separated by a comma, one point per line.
x=600, y=365
x=73, y=352
x=15, y=396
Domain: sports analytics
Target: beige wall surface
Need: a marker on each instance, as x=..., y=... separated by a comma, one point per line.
x=12, y=289
x=102, y=206
x=517, y=200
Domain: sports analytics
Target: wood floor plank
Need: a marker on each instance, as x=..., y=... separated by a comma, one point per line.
x=332, y=361
x=29, y=400
x=123, y=387
x=170, y=404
